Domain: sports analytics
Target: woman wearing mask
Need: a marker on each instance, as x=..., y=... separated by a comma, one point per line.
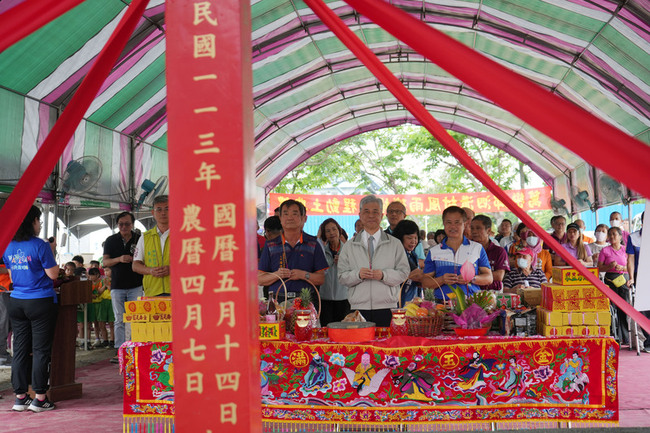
x=544, y=260
x=524, y=275
x=601, y=241
x=407, y=232
x=575, y=246
x=616, y=220
x=613, y=261
x=334, y=295
x=32, y=310
x=518, y=243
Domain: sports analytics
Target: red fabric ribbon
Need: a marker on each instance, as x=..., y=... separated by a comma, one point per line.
x=419, y=112
x=597, y=142
x=28, y=16
x=31, y=182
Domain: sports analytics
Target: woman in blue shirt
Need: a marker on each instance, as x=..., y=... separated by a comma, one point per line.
x=32, y=311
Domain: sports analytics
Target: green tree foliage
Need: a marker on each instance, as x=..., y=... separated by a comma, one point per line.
x=400, y=160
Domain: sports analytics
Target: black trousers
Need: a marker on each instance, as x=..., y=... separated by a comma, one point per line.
x=623, y=292
x=380, y=317
x=333, y=311
x=32, y=322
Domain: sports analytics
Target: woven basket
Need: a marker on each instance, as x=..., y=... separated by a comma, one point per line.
x=425, y=326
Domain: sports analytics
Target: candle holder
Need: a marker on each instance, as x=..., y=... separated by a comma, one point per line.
x=303, y=328
x=398, y=324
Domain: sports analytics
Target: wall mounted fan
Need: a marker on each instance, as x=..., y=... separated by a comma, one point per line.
x=611, y=191
x=559, y=206
x=581, y=200
x=150, y=190
x=81, y=175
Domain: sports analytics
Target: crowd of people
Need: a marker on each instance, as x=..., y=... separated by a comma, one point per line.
x=375, y=270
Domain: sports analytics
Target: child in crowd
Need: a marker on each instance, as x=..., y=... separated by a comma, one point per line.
x=96, y=264
x=105, y=314
x=97, y=287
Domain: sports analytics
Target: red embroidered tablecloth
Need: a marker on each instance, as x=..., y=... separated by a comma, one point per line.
x=404, y=380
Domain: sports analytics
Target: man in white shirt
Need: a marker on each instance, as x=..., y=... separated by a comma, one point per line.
x=373, y=265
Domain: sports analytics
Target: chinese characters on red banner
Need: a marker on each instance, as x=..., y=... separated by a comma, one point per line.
x=209, y=259
x=419, y=204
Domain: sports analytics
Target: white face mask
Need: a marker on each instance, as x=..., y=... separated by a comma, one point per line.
x=522, y=263
x=615, y=223
x=532, y=240
x=431, y=242
x=600, y=236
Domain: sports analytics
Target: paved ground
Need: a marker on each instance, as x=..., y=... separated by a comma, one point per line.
x=83, y=358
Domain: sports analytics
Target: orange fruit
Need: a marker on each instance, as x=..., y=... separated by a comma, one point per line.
x=421, y=312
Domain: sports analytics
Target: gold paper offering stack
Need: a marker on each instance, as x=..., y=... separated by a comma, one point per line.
x=150, y=319
x=572, y=306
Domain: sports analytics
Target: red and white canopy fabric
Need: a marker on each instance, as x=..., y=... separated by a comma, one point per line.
x=310, y=91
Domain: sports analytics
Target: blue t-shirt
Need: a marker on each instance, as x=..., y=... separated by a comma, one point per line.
x=443, y=260
x=307, y=255
x=27, y=261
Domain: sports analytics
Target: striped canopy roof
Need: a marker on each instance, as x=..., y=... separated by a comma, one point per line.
x=310, y=91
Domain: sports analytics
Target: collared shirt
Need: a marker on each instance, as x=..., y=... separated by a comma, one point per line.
x=633, y=247
x=306, y=255
x=139, y=249
x=442, y=259
x=498, y=258
x=365, y=235
x=516, y=277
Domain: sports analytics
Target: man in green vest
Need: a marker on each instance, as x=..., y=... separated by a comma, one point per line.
x=151, y=257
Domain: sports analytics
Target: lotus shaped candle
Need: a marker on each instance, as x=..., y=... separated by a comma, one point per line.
x=467, y=271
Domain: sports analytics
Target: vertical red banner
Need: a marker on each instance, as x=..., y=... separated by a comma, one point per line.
x=212, y=214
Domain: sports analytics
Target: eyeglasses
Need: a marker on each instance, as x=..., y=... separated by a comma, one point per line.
x=160, y=209
x=124, y=224
x=395, y=211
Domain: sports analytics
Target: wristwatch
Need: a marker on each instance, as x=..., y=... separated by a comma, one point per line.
x=307, y=276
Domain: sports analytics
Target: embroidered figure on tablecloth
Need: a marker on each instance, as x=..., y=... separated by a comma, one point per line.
x=572, y=378
x=416, y=383
x=318, y=377
x=474, y=373
x=366, y=379
x=515, y=385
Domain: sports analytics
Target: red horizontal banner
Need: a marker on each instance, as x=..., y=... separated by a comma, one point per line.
x=420, y=204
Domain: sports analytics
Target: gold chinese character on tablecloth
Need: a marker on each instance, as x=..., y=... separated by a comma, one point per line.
x=204, y=46
x=207, y=174
x=224, y=247
x=206, y=143
x=228, y=381
x=227, y=313
x=449, y=360
x=229, y=413
x=191, y=250
x=224, y=215
x=194, y=316
x=332, y=206
x=191, y=219
x=202, y=13
x=227, y=345
x=194, y=284
x=194, y=382
x=226, y=283
x=195, y=351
